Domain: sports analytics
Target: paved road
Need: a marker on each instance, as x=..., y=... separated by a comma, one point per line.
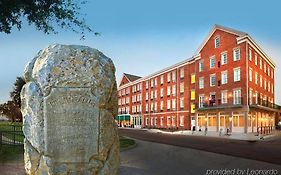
x=150, y=158
x=267, y=151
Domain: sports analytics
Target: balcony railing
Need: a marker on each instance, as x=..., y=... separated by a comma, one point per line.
x=215, y=103
x=264, y=103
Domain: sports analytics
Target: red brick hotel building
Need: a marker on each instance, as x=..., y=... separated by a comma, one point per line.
x=227, y=84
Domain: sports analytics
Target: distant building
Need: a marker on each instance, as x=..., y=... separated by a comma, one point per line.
x=228, y=84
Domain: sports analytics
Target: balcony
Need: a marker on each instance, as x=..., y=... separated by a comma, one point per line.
x=265, y=104
x=217, y=104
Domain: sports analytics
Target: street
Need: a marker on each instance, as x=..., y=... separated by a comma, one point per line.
x=150, y=158
x=267, y=151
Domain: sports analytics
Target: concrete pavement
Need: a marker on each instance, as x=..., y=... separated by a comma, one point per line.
x=150, y=158
x=268, y=150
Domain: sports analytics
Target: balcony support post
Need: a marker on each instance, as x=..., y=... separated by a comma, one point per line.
x=246, y=121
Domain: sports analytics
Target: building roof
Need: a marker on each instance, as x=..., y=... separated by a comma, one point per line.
x=240, y=37
x=223, y=28
x=131, y=77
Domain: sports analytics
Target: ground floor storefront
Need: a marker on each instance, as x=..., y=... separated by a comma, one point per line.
x=224, y=120
x=168, y=120
x=240, y=120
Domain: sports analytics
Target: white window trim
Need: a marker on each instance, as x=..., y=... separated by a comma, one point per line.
x=237, y=68
x=212, y=75
x=234, y=54
x=212, y=58
x=200, y=79
x=224, y=72
x=223, y=53
x=217, y=44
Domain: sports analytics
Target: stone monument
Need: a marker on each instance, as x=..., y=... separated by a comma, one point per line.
x=68, y=104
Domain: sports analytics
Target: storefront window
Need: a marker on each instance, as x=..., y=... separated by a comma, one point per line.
x=222, y=121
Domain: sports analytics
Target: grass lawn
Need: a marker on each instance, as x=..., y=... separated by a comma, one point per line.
x=9, y=154
x=126, y=143
x=9, y=129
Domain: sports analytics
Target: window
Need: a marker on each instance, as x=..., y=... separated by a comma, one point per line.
x=224, y=97
x=260, y=63
x=256, y=101
x=268, y=70
x=161, y=121
x=201, y=82
x=192, y=95
x=201, y=101
x=173, y=121
x=201, y=66
x=212, y=80
x=146, y=96
x=161, y=92
x=168, y=104
x=146, y=84
x=168, y=90
x=151, y=95
x=182, y=120
x=250, y=74
x=237, y=96
x=155, y=121
x=260, y=81
x=168, y=77
x=174, y=90
x=174, y=76
x=192, y=108
x=268, y=89
x=127, y=90
x=213, y=62
x=265, y=83
x=256, y=78
x=155, y=94
x=236, y=54
x=272, y=74
x=256, y=59
x=151, y=107
x=237, y=74
x=217, y=41
x=155, y=82
x=182, y=87
x=264, y=67
x=161, y=105
x=250, y=54
x=193, y=80
x=250, y=96
x=224, y=58
x=155, y=106
x=168, y=121
x=181, y=103
x=151, y=83
x=182, y=72
x=174, y=104
x=224, y=77
x=161, y=79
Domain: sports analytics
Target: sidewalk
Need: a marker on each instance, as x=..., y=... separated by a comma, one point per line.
x=236, y=136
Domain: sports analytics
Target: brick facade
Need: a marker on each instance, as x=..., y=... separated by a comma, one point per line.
x=232, y=101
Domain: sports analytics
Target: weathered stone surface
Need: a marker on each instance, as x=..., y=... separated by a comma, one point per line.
x=68, y=105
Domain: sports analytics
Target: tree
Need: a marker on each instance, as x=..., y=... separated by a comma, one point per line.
x=44, y=14
x=15, y=94
x=11, y=109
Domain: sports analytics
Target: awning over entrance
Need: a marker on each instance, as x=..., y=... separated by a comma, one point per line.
x=124, y=117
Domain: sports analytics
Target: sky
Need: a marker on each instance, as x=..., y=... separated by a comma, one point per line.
x=145, y=36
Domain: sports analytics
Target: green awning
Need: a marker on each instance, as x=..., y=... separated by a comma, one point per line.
x=123, y=118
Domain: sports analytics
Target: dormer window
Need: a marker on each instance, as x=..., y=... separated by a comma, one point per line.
x=217, y=41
